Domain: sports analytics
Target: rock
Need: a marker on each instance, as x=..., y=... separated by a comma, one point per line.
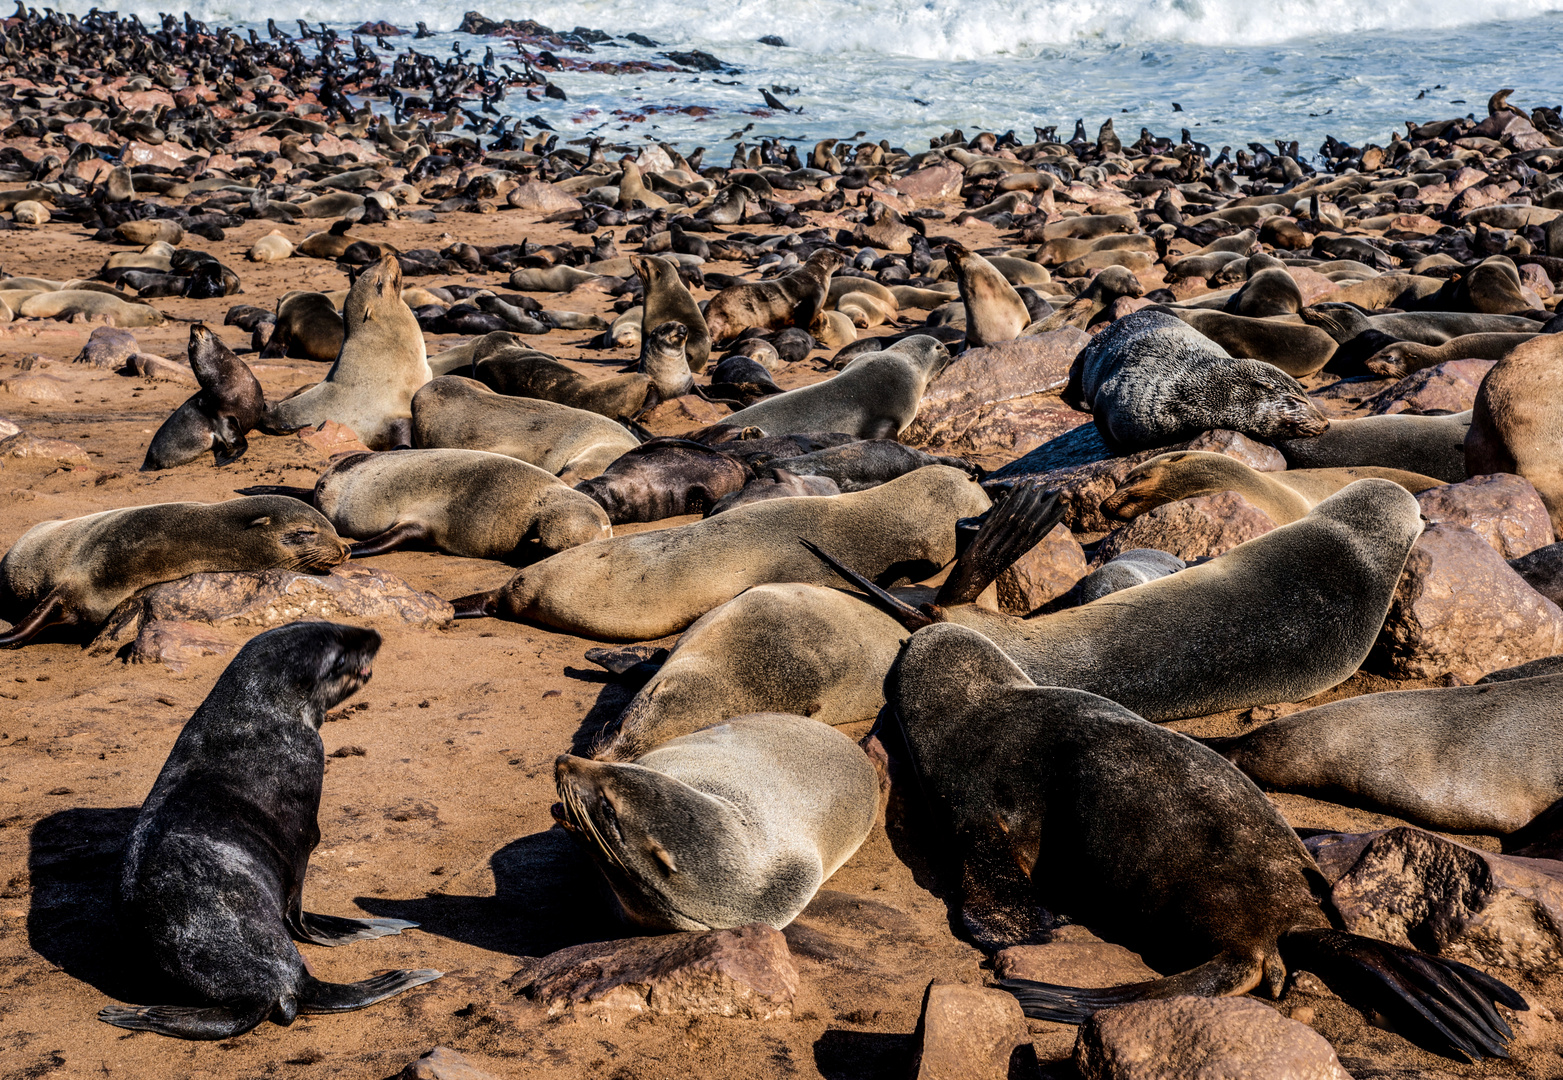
x=266, y=598
x=1074, y=957
x=1501, y=508
x=151, y=230
x=891, y=235
x=1210, y=1038
x=1049, y=569
x=1419, y=889
x=746, y=972
x=22, y=445
x=1447, y=387
x=1000, y=398
x=332, y=438
x=1234, y=444
x=35, y=386
x=967, y=1033
x=175, y=643
x=7, y=428
x=932, y=184
x=541, y=198
x=161, y=369
x=108, y=347
x=1122, y=306
x=1536, y=280
x=1314, y=285
x=1191, y=528
x=1461, y=609
x=443, y=1063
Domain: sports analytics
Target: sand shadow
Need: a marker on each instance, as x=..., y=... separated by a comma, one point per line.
x=547, y=895
x=864, y=1055
x=602, y=719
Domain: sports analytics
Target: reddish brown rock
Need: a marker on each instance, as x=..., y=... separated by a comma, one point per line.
x=1259, y=456
x=1461, y=609
x=1191, y=528
x=1501, y=508
x=1074, y=957
x=1314, y=285
x=942, y=181
x=746, y=972
x=1182, y=1037
x=1419, y=889
x=1001, y=398
x=684, y=414
x=1049, y=569
x=332, y=438
x=108, y=347
x=1124, y=305
x=541, y=198
x=1447, y=387
x=22, y=445
x=1536, y=280
x=967, y=1033
x=443, y=1063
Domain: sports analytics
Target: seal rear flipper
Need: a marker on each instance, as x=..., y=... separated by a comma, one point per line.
x=399, y=535
x=478, y=605
x=1013, y=528
x=185, y=1022
x=331, y=930
x=324, y=997
x=1440, y=1004
x=899, y=610
x=51, y=611
x=1224, y=976
x=631, y=663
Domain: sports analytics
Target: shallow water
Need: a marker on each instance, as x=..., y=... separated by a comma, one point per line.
x=906, y=70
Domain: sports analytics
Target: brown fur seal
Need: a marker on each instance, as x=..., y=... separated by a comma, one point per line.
x=1061, y=805
x=1404, y=357
x=791, y=300
x=521, y=371
x=1267, y=292
x=471, y=503
x=667, y=300
x=1283, y=496
x=75, y=572
x=573, y=444
x=381, y=366
x=1294, y=348
x=307, y=328
x=664, y=478
x=874, y=397
x=1517, y=424
x=68, y=302
x=229, y=404
x=736, y=824
x=1090, y=305
x=212, y=882
x=1431, y=445
x=994, y=310
x=635, y=588
x=663, y=361
x=1472, y=758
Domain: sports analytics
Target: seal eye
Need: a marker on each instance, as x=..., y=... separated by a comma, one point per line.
x=296, y=536
x=610, y=819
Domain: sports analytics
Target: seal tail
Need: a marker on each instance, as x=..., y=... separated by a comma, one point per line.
x=185, y=1022
x=324, y=997
x=913, y=619
x=1013, y=528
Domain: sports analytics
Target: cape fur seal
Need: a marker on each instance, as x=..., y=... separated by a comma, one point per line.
x=994, y=310
x=1404, y=357
x=793, y=299
x=521, y=371
x=1431, y=445
x=664, y=478
x=381, y=365
x=1059, y=803
x=471, y=503
x=1517, y=425
x=229, y=404
x=77, y=571
x=667, y=300
x=308, y=327
x=212, y=881
x=1473, y=758
x=635, y=588
x=735, y=824
x=1149, y=380
x=452, y=412
x=662, y=360
x=1295, y=348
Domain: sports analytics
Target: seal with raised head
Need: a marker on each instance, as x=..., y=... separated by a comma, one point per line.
x=308, y=327
x=790, y=300
x=1431, y=445
x=1517, y=425
x=1401, y=358
x=472, y=503
x=666, y=300
x=663, y=361
x=75, y=572
x=381, y=365
x=212, y=883
x=459, y=413
x=1149, y=380
x=734, y=824
x=994, y=310
x=229, y=404
x=1058, y=804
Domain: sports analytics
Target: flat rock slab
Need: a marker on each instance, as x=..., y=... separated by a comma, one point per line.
x=1447, y=387
x=35, y=386
x=746, y=972
x=443, y=1063
x=23, y=445
x=332, y=438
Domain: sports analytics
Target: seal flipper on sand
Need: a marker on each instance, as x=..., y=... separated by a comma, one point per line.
x=332, y=930
x=51, y=611
x=206, y=1023
x=324, y=997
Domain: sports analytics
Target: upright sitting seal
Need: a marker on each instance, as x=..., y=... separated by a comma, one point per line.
x=381, y=366
x=1150, y=380
x=212, y=882
x=668, y=299
x=735, y=824
x=994, y=310
x=229, y=404
x=663, y=361
x=76, y=572
x=1062, y=803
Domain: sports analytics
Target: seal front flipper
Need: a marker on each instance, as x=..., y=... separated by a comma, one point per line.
x=899, y=610
x=480, y=605
x=400, y=535
x=331, y=930
x=324, y=997
x=632, y=663
x=185, y=1022
x=51, y=611
x=228, y=440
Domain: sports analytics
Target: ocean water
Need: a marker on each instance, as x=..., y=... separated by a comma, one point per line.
x=906, y=70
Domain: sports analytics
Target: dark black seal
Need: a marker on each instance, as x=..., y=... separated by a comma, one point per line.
x=213, y=876
x=229, y=404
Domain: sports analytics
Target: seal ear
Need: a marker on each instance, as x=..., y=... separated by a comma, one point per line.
x=263, y=520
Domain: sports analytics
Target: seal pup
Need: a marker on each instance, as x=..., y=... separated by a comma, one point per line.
x=666, y=300
x=229, y=404
x=874, y=397
x=794, y=299
x=776, y=484
x=212, y=882
x=1149, y=380
x=1517, y=424
x=858, y=466
x=1472, y=758
x=1284, y=497
x=994, y=310
x=308, y=327
x=1431, y=445
x=381, y=365
x=452, y=412
x=662, y=360
x=664, y=478
x=471, y=503
x=75, y=572
x=734, y=824
x=1062, y=804
x=650, y=584
x=1402, y=358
